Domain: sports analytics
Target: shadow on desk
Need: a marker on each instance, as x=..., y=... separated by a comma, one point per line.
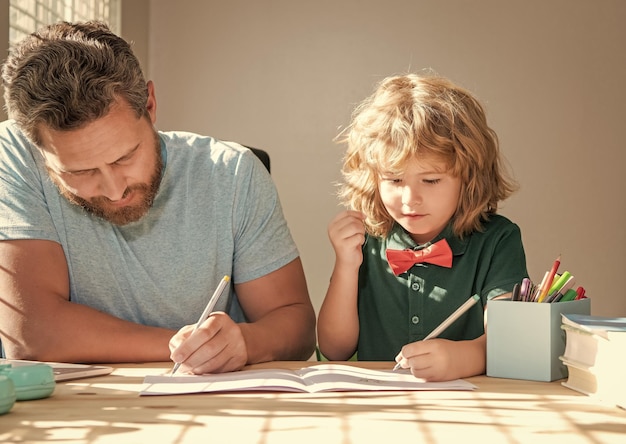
x=109, y=409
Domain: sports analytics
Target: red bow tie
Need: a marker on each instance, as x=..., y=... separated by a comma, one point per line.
x=438, y=253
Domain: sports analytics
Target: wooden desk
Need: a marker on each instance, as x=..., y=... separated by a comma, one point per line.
x=108, y=409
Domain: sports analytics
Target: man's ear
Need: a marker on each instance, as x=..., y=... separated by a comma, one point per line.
x=151, y=103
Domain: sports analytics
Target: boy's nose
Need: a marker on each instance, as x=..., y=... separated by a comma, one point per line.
x=411, y=196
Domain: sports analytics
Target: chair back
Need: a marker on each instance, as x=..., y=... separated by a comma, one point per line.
x=262, y=155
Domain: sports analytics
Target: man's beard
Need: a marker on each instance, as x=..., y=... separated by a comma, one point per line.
x=98, y=206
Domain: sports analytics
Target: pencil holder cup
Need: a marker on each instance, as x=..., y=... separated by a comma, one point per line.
x=525, y=339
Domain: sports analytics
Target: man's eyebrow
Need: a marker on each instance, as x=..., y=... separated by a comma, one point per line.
x=128, y=154
x=122, y=157
x=75, y=171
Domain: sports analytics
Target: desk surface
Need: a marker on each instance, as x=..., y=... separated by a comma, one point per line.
x=108, y=409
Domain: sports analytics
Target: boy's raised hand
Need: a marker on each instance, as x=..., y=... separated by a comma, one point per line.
x=347, y=234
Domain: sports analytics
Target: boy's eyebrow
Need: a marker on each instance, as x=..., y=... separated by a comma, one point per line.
x=433, y=172
x=390, y=173
x=421, y=173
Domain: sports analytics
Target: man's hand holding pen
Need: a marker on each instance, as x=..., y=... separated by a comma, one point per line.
x=216, y=346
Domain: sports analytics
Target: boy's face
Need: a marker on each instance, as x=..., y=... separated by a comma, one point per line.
x=111, y=167
x=422, y=199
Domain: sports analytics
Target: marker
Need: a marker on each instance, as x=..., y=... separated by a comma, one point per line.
x=525, y=289
x=569, y=295
x=516, y=292
x=556, y=297
x=445, y=324
x=580, y=293
x=537, y=288
x=558, y=283
x=207, y=311
x=548, y=283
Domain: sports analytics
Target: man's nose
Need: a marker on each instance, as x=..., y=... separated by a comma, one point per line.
x=112, y=184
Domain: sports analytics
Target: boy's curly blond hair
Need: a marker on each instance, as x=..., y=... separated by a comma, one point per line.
x=423, y=116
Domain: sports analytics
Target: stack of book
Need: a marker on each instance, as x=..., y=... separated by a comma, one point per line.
x=595, y=347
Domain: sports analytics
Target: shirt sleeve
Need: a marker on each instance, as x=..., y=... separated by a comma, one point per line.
x=263, y=242
x=24, y=212
x=505, y=265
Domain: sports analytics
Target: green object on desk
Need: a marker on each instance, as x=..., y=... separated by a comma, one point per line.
x=30, y=381
x=7, y=394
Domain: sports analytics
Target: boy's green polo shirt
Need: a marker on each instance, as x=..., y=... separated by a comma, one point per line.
x=396, y=310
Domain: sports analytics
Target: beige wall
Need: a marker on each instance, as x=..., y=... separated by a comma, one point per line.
x=4, y=47
x=284, y=75
x=135, y=27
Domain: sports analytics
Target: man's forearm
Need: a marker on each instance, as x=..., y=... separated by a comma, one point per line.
x=287, y=333
x=76, y=333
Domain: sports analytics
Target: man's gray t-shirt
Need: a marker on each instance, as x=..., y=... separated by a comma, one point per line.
x=217, y=213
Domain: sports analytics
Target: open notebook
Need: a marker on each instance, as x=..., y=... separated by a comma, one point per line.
x=64, y=371
x=313, y=379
